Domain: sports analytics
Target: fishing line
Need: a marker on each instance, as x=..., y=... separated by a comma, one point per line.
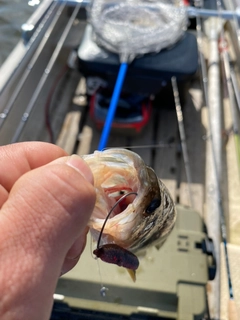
x=103, y=289
x=146, y=146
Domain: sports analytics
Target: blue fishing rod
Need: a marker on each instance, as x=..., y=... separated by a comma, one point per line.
x=113, y=106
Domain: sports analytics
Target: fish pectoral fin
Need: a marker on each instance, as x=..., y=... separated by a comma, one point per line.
x=132, y=274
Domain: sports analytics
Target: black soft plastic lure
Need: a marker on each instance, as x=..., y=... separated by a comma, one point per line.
x=113, y=253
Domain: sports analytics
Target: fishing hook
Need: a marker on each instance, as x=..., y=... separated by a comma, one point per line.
x=110, y=212
x=113, y=253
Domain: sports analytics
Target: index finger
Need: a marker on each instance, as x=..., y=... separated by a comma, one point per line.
x=19, y=158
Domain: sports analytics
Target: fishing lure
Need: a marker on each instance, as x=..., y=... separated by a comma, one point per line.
x=113, y=253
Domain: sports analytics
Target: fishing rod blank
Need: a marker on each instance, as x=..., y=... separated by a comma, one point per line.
x=182, y=137
x=214, y=295
x=227, y=70
x=232, y=309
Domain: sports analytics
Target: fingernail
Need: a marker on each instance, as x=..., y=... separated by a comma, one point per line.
x=81, y=166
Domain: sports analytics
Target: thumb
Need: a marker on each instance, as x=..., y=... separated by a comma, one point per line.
x=46, y=213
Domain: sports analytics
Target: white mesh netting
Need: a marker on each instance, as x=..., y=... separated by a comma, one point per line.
x=133, y=27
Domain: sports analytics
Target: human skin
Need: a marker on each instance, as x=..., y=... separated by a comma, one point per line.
x=46, y=199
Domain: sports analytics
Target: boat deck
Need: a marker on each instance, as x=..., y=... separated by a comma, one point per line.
x=167, y=160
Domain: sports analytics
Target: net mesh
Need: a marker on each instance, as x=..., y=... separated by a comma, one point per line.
x=135, y=27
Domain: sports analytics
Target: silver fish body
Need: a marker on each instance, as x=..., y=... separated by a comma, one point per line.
x=140, y=221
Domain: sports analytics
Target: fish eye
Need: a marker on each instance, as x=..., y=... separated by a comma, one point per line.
x=155, y=203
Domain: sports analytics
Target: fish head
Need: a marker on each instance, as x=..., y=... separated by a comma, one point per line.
x=140, y=219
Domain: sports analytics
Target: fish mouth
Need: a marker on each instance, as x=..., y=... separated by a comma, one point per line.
x=109, y=197
x=117, y=173
x=117, y=205
x=122, y=199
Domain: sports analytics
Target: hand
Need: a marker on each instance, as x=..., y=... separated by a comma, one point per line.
x=46, y=199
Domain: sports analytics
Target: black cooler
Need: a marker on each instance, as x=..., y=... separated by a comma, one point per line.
x=146, y=74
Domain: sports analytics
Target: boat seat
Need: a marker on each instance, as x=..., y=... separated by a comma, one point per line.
x=146, y=74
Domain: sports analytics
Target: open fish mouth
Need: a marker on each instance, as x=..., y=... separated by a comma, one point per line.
x=114, y=176
x=139, y=217
x=110, y=188
x=123, y=204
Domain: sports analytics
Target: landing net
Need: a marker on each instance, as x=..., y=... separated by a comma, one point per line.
x=135, y=27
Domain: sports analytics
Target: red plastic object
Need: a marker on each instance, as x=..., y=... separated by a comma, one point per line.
x=136, y=126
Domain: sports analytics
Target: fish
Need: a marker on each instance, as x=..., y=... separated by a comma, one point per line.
x=142, y=219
